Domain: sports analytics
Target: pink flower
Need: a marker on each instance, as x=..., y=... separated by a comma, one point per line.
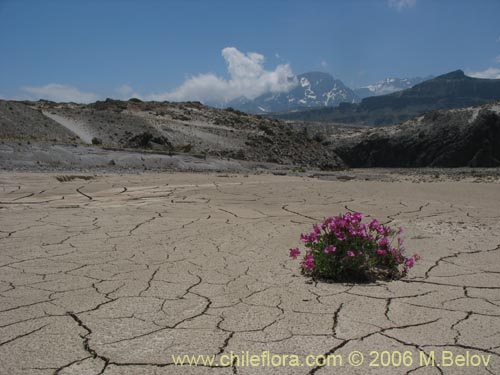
x=373, y=225
x=311, y=237
x=384, y=241
x=357, y=216
x=294, y=253
x=340, y=236
x=308, y=261
x=330, y=249
x=317, y=229
x=381, y=252
x=350, y=253
x=362, y=232
x=410, y=262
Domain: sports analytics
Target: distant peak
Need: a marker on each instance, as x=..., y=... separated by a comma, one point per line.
x=315, y=74
x=457, y=74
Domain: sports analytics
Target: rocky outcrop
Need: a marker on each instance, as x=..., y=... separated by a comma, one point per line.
x=439, y=139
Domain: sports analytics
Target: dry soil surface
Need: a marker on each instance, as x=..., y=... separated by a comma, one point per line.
x=114, y=274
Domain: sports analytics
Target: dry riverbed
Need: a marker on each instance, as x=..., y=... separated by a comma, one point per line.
x=116, y=273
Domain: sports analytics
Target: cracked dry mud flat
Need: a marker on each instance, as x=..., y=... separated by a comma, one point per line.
x=113, y=275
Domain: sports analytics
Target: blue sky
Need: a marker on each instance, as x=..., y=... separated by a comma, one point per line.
x=219, y=49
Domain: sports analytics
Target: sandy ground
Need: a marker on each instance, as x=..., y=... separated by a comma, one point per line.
x=117, y=273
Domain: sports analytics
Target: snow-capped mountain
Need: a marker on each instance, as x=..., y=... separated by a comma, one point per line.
x=314, y=89
x=388, y=86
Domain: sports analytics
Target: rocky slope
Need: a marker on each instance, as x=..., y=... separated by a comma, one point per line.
x=442, y=138
x=188, y=128
x=19, y=121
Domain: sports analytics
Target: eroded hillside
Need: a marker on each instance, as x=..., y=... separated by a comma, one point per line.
x=188, y=127
x=441, y=138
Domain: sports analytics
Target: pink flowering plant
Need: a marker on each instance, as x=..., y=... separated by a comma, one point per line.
x=344, y=248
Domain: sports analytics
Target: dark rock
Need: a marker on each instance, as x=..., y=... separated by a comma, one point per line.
x=447, y=140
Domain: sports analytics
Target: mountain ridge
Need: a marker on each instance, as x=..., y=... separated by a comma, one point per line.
x=317, y=89
x=451, y=90
x=314, y=89
x=389, y=85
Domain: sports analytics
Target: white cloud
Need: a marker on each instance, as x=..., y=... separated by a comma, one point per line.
x=401, y=4
x=126, y=92
x=492, y=73
x=60, y=93
x=247, y=78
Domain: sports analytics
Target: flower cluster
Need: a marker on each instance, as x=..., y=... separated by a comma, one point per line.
x=345, y=248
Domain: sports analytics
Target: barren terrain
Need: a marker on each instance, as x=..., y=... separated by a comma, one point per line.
x=113, y=133
x=114, y=274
